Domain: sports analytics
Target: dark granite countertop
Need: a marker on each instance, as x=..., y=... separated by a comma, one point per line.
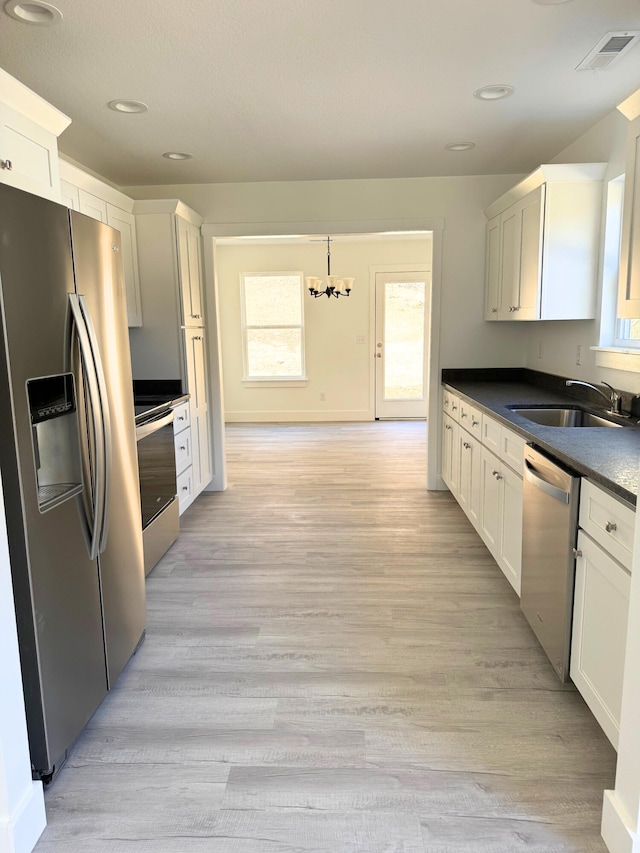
x=610, y=457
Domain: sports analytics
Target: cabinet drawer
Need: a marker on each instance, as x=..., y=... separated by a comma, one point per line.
x=471, y=418
x=182, y=443
x=451, y=405
x=607, y=520
x=512, y=449
x=491, y=434
x=185, y=489
x=182, y=417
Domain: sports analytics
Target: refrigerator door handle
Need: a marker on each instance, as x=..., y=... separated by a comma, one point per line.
x=105, y=415
x=79, y=331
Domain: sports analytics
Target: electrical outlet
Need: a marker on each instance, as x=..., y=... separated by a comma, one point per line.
x=579, y=354
x=360, y=339
x=540, y=349
x=323, y=397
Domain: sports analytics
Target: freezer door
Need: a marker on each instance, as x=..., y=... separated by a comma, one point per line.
x=100, y=287
x=55, y=583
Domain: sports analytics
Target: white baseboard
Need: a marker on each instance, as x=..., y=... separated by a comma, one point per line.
x=298, y=417
x=616, y=829
x=21, y=830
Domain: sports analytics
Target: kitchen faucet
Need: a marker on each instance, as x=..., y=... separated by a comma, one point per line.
x=613, y=398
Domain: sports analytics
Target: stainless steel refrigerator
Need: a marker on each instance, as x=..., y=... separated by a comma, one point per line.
x=68, y=463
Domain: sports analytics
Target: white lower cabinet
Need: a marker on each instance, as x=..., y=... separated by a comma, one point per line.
x=183, y=442
x=600, y=613
x=501, y=515
x=450, y=450
x=485, y=477
x=469, y=479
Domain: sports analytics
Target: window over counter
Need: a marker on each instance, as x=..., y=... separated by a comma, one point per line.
x=272, y=311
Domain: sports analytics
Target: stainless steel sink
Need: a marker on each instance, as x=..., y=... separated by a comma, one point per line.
x=566, y=417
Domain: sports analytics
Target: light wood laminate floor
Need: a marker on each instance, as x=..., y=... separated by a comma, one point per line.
x=333, y=664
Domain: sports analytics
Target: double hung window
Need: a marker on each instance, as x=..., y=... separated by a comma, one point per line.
x=273, y=326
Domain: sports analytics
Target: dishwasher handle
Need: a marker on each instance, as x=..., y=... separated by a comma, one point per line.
x=543, y=485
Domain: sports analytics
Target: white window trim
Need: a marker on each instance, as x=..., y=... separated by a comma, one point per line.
x=248, y=379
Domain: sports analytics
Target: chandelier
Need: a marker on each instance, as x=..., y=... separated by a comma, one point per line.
x=335, y=286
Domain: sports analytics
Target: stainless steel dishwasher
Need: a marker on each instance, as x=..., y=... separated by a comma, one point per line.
x=550, y=516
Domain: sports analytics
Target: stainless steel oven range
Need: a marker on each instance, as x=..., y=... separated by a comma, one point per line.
x=158, y=491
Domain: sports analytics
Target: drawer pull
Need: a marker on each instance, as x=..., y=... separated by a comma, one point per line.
x=6, y=164
x=466, y=445
x=610, y=526
x=577, y=553
x=185, y=488
x=474, y=422
x=463, y=414
x=182, y=447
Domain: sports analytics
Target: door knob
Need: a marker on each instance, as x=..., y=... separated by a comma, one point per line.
x=378, y=355
x=379, y=345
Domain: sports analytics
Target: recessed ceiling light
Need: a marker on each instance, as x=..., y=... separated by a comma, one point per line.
x=493, y=92
x=121, y=106
x=460, y=146
x=177, y=155
x=33, y=12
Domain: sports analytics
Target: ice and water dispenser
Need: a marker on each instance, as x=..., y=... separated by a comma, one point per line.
x=56, y=440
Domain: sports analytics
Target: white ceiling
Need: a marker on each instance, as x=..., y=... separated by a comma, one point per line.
x=265, y=90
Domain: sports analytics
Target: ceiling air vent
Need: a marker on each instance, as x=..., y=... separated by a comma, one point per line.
x=609, y=50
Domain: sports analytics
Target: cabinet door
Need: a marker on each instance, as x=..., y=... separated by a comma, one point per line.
x=509, y=263
x=70, y=195
x=198, y=407
x=530, y=213
x=28, y=155
x=125, y=223
x=450, y=451
x=469, y=479
x=492, y=292
x=629, y=290
x=600, y=614
x=93, y=206
x=510, y=559
x=190, y=266
x=491, y=500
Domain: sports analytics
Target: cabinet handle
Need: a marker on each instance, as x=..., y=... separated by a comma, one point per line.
x=446, y=426
x=197, y=337
x=497, y=475
x=454, y=408
x=464, y=414
x=6, y=164
x=494, y=310
x=185, y=488
x=610, y=526
x=181, y=417
x=474, y=422
x=197, y=316
x=466, y=445
x=182, y=447
x=577, y=552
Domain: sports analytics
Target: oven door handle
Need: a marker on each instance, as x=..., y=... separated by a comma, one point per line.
x=539, y=482
x=144, y=430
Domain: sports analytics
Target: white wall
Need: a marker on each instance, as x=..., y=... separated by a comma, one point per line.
x=465, y=338
x=336, y=365
x=603, y=143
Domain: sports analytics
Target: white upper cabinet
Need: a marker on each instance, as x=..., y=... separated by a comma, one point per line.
x=190, y=266
x=629, y=293
x=543, y=245
x=29, y=130
x=81, y=191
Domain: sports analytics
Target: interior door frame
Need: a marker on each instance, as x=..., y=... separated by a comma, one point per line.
x=419, y=269
x=256, y=229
